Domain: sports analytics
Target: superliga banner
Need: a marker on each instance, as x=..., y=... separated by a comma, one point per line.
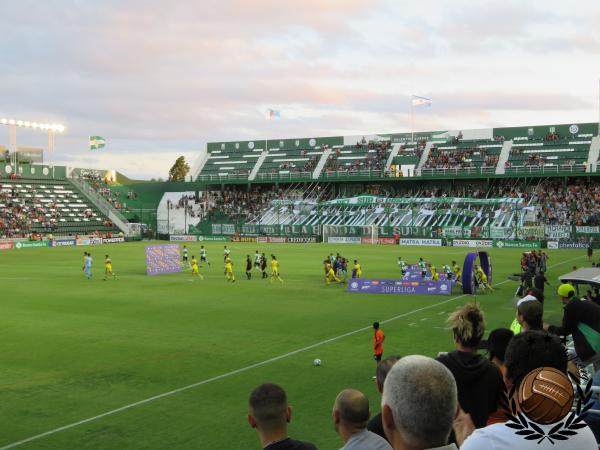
x=423, y=287
x=162, y=259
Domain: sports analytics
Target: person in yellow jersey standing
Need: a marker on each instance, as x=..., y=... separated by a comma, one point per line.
x=229, y=270
x=275, y=270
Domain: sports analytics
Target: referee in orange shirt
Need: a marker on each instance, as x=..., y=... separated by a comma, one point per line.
x=378, y=338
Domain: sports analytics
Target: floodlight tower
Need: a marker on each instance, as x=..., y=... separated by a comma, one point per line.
x=51, y=128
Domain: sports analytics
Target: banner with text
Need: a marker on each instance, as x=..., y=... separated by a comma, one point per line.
x=368, y=286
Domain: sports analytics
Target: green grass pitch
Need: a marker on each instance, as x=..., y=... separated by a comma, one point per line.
x=73, y=349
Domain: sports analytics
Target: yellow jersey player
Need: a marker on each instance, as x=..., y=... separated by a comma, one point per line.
x=434, y=274
x=229, y=270
x=329, y=273
x=108, y=268
x=457, y=273
x=356, y=270
x=482, y=279
x=275, y=269
x=195, y=268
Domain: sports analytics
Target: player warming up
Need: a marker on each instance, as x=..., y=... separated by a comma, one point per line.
x=263, y=266
x=423, y=266
x=203, y=257
x=457, y=273
x=434, y=274
x=275, y=270
x=108, y=268
x=482, y=279
x=248, y=267
x=196, y=269
x=185, y=262
x=226, y=253
x=378, y=338
x=229, y=270
x=257, y=258
x=356, y=270
x=402, y=266
x=329, y=273
x=87, y=266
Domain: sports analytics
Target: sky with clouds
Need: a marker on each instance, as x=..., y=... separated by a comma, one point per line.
x=159, y=79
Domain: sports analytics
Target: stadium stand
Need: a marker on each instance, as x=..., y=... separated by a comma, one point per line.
x=463, y=157
x=551, y=154
x=47, y=206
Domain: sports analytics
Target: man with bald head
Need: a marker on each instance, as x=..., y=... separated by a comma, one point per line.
x=419, y=404
x=350, y=417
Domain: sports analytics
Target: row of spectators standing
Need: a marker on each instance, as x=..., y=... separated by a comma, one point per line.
x=577, y=203
x=454, y=400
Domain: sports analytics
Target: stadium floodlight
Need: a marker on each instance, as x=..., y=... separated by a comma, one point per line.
x=51, y=127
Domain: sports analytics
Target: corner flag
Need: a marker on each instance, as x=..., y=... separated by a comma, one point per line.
x=97, y=142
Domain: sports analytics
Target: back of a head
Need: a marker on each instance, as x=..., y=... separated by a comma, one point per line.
x=383, y=368
x=531, y=350
x=468, y=324
x=532, y=313
x=268, y=406
x=422, y=395
x=497, y=343
x=353, y=407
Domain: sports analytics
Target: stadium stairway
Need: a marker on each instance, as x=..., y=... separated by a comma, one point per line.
x=199, y=164
x=101, y=204
x=594, y=154
x=504, y=154
x=259, y=162
x=324, y=157
x=393, y=154
x=424, y=157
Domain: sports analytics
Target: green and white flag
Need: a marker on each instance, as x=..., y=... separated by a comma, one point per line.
x=97, y=142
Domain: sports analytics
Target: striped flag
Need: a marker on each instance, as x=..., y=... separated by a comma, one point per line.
x=97, y=142
x=273, y=114
x=420, y=101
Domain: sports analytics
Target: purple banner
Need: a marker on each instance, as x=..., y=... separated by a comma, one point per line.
x=413, y=272
x=367, y=286
x=162, y=259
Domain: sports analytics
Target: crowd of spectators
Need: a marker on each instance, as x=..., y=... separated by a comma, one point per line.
x=237, y=204
x=22, y=214
x=463, y=158
x=19, y=213
x=461, y=399
x=577, y=203
x=102, y=185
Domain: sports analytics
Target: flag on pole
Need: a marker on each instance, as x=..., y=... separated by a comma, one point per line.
x=420, y=101
x=97, y=142
x=273, y=114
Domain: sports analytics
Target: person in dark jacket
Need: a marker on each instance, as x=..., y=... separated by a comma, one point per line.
x=581, y=319
x=479, y=381
x=383, y=368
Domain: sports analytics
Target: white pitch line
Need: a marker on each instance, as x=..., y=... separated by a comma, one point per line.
x=236, y=371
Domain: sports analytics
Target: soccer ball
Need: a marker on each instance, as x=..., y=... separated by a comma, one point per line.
x=317, y=362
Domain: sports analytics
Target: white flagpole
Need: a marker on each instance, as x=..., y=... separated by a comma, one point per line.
x=412, y=122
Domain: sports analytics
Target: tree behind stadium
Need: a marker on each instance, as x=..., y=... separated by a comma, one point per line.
x=179, y=170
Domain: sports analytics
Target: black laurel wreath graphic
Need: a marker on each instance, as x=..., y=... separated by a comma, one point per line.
x=559, y=432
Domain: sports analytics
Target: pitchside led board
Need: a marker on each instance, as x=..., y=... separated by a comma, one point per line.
x=161, y=259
